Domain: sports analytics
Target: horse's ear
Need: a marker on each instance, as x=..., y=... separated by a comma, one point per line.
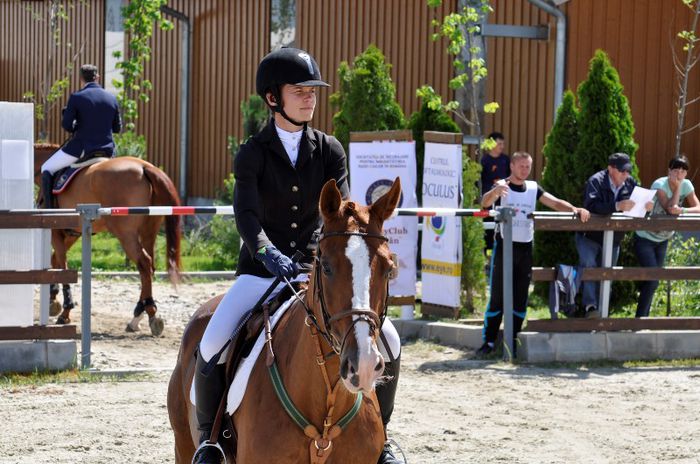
x=330, y=199
x=384, y=207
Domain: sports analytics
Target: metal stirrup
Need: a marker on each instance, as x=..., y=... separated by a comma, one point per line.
x=208, y=444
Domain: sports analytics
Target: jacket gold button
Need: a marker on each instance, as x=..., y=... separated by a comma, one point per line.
x=295, y=188
x=295, y=207
x=293, y=244
x=294, y=225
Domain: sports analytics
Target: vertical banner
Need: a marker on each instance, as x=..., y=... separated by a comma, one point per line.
x=441, y=247
x=374, y=164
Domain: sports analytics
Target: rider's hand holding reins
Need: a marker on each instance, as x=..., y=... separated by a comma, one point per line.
x=278, y=264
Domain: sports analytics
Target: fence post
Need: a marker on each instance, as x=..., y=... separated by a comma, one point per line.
x=604, y=295
x=506, y=225
x=88, y=213
x=44, y=289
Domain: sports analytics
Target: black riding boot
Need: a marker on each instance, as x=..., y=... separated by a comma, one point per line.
x=46, y=190
x=208, y=391
x=385, y=395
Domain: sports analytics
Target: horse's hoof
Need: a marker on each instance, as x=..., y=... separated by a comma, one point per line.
x=131, y=328
x=68, y=306
x=63, y=320
x=54, y=308
x=156, y=324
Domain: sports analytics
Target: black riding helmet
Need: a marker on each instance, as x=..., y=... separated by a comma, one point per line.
x=286, y=66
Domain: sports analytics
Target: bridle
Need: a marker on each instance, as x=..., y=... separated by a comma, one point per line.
x=363, y=315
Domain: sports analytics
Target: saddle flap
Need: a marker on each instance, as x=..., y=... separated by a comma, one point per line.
x=64, y=177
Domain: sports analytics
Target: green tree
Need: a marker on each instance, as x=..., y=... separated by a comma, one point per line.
x=462, y=30
x=366, y=100
x=605, y=127
x=605, y=120
x=140, y=18
x=688, y=39
x=53, y=85
x=553, y=248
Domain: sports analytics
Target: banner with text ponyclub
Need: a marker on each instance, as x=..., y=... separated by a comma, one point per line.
x=373, y=168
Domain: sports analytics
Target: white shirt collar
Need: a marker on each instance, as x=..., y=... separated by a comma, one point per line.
x=291, y=142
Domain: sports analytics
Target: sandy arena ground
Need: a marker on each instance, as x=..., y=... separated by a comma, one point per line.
x=451, y=408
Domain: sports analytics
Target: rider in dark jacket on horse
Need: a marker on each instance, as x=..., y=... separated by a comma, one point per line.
x=279, y=176
x=92, y=116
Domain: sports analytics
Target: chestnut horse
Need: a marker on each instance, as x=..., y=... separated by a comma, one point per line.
x=346, y=299
x=123, y=181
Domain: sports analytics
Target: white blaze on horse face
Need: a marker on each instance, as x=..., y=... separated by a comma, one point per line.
x=367, y=352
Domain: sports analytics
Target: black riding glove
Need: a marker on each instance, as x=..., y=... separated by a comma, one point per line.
x=277, y=263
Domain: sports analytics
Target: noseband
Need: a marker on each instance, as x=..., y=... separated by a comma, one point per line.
x=370, y=317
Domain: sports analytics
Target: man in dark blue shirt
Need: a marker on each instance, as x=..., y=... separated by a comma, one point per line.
x=607, y=191
x=495, y=166
x=92, y=116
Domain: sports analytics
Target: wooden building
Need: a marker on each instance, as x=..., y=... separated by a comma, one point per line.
x=228, y=38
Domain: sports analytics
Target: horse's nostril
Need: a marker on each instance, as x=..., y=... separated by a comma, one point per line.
x=344, y=368
x=380, y=366
x=352, y=369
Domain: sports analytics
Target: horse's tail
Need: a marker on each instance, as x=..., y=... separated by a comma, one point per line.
x=165, y=194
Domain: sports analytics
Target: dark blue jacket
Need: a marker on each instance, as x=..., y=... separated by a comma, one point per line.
x=599, y=199
x=92, y=115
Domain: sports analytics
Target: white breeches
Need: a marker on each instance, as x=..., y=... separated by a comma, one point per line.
x=58, y=161
x=242, y=296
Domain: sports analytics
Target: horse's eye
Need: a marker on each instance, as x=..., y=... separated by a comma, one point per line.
x=326, y=268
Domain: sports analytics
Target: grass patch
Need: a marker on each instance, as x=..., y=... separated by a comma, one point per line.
x=35, y=379
x=108, y=255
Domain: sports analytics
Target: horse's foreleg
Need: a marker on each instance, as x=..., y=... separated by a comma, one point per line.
x=54, y=305
x=68, y=302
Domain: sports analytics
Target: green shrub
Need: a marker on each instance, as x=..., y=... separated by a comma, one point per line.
x=605, y=127
x=685, y=294
x=129, y=143
x=473, y=258
x=552, y=248
x=366, y=100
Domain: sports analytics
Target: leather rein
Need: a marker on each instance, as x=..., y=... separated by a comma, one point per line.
x=321, y=441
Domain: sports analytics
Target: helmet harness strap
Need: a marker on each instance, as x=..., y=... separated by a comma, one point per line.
x=278, y=108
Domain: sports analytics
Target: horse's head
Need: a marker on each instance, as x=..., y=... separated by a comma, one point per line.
x=351, y=281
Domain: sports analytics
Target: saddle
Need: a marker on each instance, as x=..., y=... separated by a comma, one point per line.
x=64, y=176
x=239, y=349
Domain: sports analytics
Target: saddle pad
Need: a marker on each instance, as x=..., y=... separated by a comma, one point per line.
x=65, y=176
x=240, y=379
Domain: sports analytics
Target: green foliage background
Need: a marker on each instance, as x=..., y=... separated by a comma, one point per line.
x=578, y=146
x=558, y=179
x=366, y=100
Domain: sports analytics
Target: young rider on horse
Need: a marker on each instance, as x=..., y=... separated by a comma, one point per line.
x=91, y=115
x=279, y=176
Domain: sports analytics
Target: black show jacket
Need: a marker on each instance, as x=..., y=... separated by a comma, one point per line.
x=277, y=203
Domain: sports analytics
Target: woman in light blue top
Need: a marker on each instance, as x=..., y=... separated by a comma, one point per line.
x=650, y=247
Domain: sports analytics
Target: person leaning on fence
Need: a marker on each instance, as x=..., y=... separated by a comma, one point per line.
x=91, y=116
x=279, y=176
x=495, y=166
x=650, y=247
x=520, y=194
x=607, y=192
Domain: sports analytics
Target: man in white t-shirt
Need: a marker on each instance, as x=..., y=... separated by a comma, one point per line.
x=520, y=194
